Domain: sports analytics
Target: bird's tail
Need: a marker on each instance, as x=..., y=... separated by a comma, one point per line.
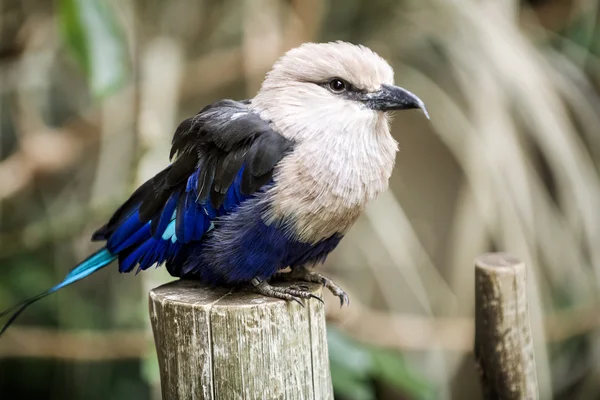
x=96, y=261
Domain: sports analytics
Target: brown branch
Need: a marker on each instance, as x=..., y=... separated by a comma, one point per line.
x=211, y=72
x=87, y=345
x=40, y=152
x=394, y=331
x=44, y=151
x=398, y=331
x=62, y=226
x=414, y=332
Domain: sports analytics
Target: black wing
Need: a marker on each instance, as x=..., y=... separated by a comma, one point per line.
x=216, y=143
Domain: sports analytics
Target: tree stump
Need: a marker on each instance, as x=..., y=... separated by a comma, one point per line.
x=503, y=345
x=217, y=343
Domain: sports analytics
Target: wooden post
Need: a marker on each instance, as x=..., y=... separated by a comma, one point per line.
x=503, y=345
x=214, y=343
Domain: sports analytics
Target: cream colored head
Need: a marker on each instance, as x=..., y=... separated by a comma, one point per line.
x=330, y=88
x=320, y=62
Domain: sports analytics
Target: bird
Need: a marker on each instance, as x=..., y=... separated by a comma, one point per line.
x=261, y=186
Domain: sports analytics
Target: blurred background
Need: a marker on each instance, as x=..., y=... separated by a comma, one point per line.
x=92, y=90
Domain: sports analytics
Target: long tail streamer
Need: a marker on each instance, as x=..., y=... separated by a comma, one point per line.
x=87, y=267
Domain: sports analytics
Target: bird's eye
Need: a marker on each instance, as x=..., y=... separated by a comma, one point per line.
x=337, y=85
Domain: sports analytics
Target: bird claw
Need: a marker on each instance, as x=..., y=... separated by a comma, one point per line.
x=297, y=300
x=311, y=276
x=296, y=293
x=344, y=299
x=317, y=298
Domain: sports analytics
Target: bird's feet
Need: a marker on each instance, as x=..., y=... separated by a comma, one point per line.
x=292, y=293
x=307, y=275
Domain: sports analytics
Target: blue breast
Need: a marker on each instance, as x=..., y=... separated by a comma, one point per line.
x=242, y=247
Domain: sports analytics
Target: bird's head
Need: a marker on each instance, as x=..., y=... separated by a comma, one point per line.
x=332, y=87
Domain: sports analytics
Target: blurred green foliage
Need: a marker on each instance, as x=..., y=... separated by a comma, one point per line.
x=96, y=40
x=357, y=369
x=58, y=379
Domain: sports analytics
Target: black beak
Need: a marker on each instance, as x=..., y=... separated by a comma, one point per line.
x=391, y=97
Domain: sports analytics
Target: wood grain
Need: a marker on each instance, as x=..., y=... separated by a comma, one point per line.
x=217, y=343
x=503, y=345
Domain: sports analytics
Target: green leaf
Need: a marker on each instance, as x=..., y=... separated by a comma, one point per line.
x=355, y=366
x=391, y=368
x=351, y=367
x=350, y=354
x=150, y=368
x=350, y=386
x=92, y=34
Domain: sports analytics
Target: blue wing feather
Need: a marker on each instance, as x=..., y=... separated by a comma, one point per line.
x=185, y=220
x=141, y=235
x=125, y=231
x=167, y=215
x=182, y=220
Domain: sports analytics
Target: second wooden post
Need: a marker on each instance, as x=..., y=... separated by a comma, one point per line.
x=503, y=344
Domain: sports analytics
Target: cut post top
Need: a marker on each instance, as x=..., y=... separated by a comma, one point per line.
x=198, y=294
x=496, y=261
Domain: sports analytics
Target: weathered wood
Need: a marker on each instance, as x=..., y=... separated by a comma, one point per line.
x=214, y=343
x=503, y=345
